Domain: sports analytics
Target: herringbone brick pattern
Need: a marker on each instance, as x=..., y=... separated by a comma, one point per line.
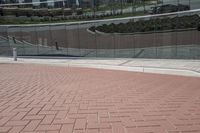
x=49, y=99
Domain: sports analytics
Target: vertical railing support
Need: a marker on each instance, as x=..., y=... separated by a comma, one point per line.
x=15, y=54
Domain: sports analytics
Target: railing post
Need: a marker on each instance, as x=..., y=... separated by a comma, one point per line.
x=15, y=54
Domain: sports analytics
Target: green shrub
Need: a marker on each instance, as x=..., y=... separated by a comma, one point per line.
x=199, y=27
x=92, y=28
x=157, y=24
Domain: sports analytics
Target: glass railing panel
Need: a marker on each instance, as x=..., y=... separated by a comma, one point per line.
x=193, y=37
x=105, y=40
x=59, y=39
x=170, y=2
x=196, y=48
x=173, y=35
x=194, y=4
x=185, y=29
x=15, y=32
x=44, y=39
x=123, y=40
x=144, y=38
x=15, y=39
x=29, y=34
x=186, y=4
x=73, y=41
x=87, y=39
x=3, y=31
x=166, y=36
x=29, y=40
x=5, y=49
x=100, y=9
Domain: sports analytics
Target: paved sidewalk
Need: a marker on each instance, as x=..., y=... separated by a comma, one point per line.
x=52, y=99
x=162, y=66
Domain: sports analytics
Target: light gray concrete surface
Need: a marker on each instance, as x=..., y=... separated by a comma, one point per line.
x=161, y=66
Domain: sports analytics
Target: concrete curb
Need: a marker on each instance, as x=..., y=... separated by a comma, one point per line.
x=144, y=69
x=70, y=63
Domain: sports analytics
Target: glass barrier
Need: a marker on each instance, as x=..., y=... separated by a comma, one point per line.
x=59, y=40
x=194, y=4
x=92, y=9
x=44, y=39
x=124, y=43
x=171, y=35
x=73, y=41
x=29, y=40
x=87, y=40
x=105, y=42
x=165, y=36
x=195, y=38
x=5, y=49
x=15, y=39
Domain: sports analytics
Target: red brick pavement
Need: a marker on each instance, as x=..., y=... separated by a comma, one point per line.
x=49, y=99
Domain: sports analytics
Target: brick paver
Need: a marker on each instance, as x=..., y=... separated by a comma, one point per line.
x=50, y=99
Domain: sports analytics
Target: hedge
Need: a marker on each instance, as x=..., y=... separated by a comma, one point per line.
x=158, y=24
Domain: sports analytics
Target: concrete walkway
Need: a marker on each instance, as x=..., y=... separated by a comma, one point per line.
x=162, y=66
